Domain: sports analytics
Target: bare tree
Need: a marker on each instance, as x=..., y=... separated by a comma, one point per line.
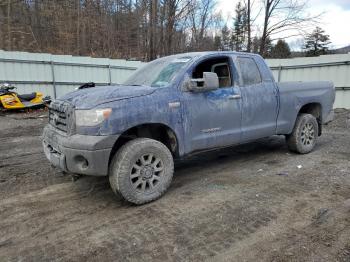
x=9, y=24
x=201, y=17
x=141, y=29
x=284, y=16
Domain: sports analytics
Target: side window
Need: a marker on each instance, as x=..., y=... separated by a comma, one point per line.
x=249, y=70
x=223, y=72
x=220, y=66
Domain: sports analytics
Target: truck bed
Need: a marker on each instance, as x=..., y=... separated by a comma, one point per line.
x=293, y=95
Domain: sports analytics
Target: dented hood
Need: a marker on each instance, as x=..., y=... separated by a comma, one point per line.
x=91, y=97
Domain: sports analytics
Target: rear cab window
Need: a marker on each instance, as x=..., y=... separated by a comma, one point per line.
x=250, y=72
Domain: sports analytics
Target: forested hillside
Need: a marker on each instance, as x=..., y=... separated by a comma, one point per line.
x=147, y=29
x=141, y=29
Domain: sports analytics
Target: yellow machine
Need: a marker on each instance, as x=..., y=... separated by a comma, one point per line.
x=12, y=100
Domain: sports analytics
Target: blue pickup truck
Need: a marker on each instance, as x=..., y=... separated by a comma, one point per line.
x=176, y=106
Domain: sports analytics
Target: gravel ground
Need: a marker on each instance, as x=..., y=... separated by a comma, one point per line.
x=255, y=202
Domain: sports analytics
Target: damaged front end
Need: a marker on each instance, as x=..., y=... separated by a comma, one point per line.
x=72, y=152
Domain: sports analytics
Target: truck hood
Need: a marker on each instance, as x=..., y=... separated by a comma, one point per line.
x=91, y=97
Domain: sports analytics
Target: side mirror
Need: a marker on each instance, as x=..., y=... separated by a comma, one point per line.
x=87, y=85
x=209, y=82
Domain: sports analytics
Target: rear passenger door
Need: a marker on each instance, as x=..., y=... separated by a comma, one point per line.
x=259, y=100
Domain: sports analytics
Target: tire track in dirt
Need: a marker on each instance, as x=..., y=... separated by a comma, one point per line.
x=193, y=234
x=218, y=203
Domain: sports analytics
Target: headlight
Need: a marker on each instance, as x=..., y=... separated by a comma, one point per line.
x=91, y=117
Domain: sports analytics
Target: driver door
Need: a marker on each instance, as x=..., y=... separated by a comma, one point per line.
x=213, y=118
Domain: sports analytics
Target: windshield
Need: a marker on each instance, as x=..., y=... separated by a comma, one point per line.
x=158, y=73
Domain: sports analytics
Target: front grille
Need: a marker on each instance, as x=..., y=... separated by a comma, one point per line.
x=61, y=116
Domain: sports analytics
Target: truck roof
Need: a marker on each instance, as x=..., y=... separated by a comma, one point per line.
x=207, y=53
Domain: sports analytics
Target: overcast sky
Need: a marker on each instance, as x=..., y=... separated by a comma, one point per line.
x=335, y=20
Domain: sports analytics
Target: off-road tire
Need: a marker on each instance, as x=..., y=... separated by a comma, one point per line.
x=300, y=142
x=133, y=154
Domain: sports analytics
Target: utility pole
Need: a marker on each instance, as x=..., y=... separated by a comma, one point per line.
x=248, y=29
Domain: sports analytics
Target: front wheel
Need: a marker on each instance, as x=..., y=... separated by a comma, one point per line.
x=141, y=171
x=304, y=136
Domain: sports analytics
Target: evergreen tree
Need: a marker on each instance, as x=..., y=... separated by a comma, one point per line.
x=268, y=47
x=255, y=45
x=217, y=43
x=280, y=50
x=316, y=43
x=225, y=39
x=240, y=26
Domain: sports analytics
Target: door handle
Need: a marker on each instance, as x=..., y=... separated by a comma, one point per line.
x=234, y=97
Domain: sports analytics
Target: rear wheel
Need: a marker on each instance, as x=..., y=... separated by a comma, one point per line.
x=141, y=171
x=304, y=136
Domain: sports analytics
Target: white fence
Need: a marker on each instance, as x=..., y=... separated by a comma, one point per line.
x=335, y=68
x=56, y=75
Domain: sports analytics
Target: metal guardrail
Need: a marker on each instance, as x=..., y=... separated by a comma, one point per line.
x=29, y=82
x=310, y=65
x=342, y=88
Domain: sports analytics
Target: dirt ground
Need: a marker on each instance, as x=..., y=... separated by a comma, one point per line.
x=249, y=203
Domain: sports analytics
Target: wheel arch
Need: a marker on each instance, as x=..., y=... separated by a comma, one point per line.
x=314, y=109
x=157, y=131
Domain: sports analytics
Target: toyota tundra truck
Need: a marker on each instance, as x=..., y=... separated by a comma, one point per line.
x=174, y=107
